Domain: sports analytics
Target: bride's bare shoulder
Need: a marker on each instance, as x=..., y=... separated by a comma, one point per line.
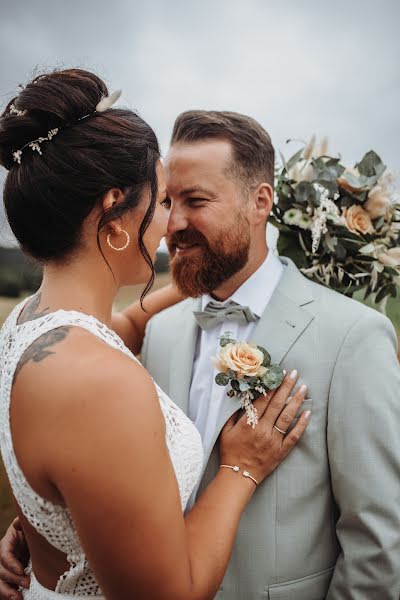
x=69, y=367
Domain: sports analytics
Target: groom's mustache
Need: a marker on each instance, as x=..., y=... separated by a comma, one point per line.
x=187, y=237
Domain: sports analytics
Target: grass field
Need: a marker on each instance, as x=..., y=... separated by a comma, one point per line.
x=126, y=296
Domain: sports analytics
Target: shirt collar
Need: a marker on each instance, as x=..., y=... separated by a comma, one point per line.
x=257, y=290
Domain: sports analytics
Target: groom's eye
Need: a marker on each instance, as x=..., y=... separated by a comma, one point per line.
x=166, y=203
x=196, y=201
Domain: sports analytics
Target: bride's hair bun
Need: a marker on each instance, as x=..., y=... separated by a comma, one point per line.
x=49, y=193
x=47, y=102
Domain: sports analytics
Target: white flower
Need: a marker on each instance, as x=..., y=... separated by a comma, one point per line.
x=15, y=111
x=327, y=210
x=305, y=221
x=17, y=156
x=292, y=216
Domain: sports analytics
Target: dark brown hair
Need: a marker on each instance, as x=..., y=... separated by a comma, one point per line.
x=47, y=197
x=253, y=153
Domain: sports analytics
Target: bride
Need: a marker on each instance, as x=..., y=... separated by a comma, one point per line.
x=101, y=462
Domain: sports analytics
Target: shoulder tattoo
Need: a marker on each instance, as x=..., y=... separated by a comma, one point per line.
x=31, y=310
x=40, y=348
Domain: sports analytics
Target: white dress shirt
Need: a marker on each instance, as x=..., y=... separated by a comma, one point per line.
x=206, y=397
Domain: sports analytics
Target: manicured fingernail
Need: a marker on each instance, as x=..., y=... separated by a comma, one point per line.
x=303, y=389
x=307, y=414
x=293, y=375
x=284, y=371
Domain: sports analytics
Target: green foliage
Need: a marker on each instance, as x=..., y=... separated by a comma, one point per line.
x=273, y=378
x=222, y=379
x=330, y=231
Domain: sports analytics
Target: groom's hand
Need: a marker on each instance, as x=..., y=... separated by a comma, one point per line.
x=13, y=559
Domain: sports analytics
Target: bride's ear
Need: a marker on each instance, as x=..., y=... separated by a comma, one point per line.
x=111, y=198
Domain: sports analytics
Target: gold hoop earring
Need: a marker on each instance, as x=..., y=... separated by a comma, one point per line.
x=128, y=239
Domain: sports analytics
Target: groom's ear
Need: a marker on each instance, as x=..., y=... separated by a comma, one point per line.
x=263, y=198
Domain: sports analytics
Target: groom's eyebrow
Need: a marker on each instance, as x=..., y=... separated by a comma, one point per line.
x=195, y=189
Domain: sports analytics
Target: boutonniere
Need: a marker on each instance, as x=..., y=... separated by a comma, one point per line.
x=248, y=368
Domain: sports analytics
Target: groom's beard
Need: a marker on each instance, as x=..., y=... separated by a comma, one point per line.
x=211, y=264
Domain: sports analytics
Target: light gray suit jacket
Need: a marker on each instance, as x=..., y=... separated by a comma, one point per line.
x=326, y=523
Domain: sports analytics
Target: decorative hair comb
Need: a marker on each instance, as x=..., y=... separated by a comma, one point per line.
x=35, y=145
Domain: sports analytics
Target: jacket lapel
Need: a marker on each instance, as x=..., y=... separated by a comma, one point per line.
x=282, y=323
x=182, y=357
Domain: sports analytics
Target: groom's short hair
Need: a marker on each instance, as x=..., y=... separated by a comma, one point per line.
x=253, y=153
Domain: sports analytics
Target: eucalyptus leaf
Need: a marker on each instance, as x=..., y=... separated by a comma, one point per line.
x=222, y=379
x=225, y=340
x=305, y=193
x=294, y=159
x=267, y=357
x=371, y=164
x=235, y=385
x=273, y=378
x=252, y=381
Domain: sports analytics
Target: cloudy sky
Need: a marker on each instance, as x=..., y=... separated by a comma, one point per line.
x=299, y=67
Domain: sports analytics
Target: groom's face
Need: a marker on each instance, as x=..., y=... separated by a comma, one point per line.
x=209, y=230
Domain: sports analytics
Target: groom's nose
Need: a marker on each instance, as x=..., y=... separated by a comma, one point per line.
x=177, y=220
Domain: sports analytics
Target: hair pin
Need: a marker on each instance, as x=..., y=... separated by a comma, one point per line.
x=107, y=102
x=35, y=145
x=15, y=111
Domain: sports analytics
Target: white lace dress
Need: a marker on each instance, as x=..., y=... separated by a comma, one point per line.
x=53, y=521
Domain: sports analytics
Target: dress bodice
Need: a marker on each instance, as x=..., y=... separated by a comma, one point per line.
x=54, y=521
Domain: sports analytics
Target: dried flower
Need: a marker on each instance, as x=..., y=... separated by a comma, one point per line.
x=390, y=258
x=309, y=149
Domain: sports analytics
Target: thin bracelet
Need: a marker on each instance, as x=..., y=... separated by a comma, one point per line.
x=237, y=470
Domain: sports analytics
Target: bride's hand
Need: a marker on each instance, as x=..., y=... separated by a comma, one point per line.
x=260, y=450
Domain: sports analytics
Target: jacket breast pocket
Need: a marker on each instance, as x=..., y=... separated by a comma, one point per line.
x=312, y=587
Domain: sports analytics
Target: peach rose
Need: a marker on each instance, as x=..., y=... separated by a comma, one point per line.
x=241, y=357
x=358, y=220
x=378, y=202
x=390, y=258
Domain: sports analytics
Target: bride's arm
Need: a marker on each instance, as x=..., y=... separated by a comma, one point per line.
x=119, y=484
x=130, y=324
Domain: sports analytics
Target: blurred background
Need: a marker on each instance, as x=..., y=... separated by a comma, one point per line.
x=326, y=67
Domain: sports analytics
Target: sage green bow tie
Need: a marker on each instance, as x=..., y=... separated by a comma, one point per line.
x=214, y=313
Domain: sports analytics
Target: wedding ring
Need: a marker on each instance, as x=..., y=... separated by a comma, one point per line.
x=280, y=430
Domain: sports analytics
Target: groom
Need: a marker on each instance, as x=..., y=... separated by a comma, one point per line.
x=326, y=524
